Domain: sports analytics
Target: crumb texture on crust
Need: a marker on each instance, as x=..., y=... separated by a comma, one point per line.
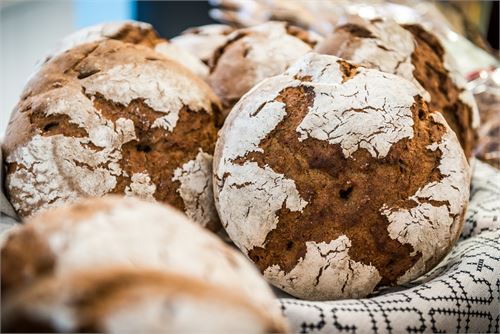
x=105, y=118
x=96, y=234
x=330, y=177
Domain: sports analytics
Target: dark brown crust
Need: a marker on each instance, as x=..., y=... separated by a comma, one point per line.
x=137, y=35
x=344, y=195
x=428, y=60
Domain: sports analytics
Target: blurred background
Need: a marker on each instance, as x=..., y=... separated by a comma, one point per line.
x=29, y=27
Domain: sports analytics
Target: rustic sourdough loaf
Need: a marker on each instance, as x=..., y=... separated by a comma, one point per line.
x=113, y=117
x=417, y=55
x=336, y=179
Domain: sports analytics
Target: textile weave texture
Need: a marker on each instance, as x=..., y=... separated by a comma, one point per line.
x=462, y=294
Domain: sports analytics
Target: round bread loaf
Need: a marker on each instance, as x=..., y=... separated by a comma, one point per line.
x=336, y=179
x=124, y=300
x=102, y=233
x=129, y=32
x=203, y=41
x=418, y=56
x=253, y=54
x=113, y=117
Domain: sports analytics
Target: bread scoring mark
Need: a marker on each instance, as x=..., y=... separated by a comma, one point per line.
x=161, y=88
x=432, y=229
x=196, y=189
x=141, y=186
x=327, y=272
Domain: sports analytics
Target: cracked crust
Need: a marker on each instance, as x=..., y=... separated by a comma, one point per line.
x=253, y=54
x=335, y=137
x=110, y=117
x=128, y=31
x=203, y=41
x=117, y=300
x=416, y=55
x=96, y=234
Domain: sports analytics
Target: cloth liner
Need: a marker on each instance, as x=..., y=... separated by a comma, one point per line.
x=462, y=294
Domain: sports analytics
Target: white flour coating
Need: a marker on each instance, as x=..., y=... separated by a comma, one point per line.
x=135, y=234
x=273, y=49
x=251, y=196
x=372, y=110
x=141, y=186
x=196, y=188
x=389, y=51
x=258, y=114
x=161, y=87
x=431, y=228
x=203, y=41
x=183, y=57
x=326, y=272
x=59, y=169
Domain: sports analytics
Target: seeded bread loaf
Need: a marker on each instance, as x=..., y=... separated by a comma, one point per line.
x=253, y=54
x=417, y=55
x=98, y=234
x=336, y=179
x=129, y=32
x=113, y=117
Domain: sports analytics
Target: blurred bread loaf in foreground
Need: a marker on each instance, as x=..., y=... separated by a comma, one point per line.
x=113, y=117
x=99, y=260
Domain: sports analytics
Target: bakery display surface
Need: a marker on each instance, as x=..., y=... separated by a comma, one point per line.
x=301, y=167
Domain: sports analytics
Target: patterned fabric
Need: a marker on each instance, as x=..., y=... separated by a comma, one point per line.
x=462, y=294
